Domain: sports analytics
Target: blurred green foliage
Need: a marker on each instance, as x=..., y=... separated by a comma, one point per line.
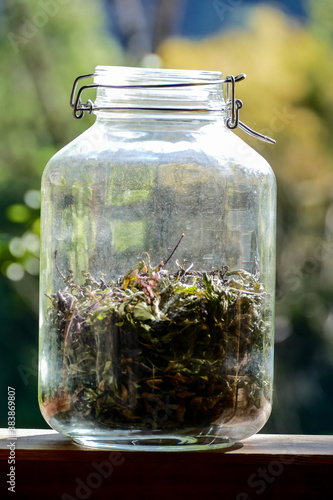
x=46, y=44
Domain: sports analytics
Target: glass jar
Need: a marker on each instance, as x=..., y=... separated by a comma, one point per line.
x=157, y=268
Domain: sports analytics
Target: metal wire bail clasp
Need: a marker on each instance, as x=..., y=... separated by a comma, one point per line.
x=78, y=107
x=235, y=105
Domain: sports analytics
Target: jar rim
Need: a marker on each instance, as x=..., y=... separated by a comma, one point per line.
x=127, y=75
x=158, y=89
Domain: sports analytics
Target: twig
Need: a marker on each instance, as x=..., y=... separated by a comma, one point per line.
x=57, y=267
x=162, y=264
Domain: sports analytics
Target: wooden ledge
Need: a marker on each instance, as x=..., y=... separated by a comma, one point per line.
x=50, y=466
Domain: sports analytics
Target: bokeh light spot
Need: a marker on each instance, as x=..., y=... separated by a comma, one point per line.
x=31, y=242
x=15, y=272
x=18, y=213
x=16, y=247
x=31, y=265
x=32, y=198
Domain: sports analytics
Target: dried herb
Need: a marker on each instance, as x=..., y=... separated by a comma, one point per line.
x=159, y=349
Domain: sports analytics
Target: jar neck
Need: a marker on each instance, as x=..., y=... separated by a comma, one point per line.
x=158, y=93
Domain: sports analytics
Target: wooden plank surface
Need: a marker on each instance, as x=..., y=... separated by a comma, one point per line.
x=51, y=466
x=34, y=444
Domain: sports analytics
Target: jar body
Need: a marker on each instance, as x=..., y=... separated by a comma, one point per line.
x=139, y=351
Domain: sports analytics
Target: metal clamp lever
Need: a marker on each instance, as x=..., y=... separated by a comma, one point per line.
x=236, y=104
x=233, y=104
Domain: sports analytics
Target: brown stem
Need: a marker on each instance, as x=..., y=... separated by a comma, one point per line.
x=57, y=267
x=162, y=264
